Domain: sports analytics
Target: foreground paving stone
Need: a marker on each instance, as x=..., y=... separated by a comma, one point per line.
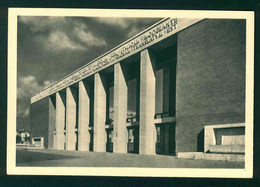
x=55, y=158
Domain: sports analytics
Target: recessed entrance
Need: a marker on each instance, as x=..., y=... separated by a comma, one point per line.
x=76, y=141
x=133, y=139
x=91, y=140
x=165, y=139
x=109, y=144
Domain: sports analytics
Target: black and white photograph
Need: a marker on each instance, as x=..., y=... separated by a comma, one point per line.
x=130, y=92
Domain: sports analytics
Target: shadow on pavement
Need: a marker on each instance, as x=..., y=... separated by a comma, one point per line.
x=25, y=156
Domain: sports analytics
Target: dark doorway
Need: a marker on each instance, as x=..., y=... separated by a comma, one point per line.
x=77, y=140
x=91, y=140
x=200, y=141
x=109, y=144
x=165, y=139
x=133, y=139
x=64, y=141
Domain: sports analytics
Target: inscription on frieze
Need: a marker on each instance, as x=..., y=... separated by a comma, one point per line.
x=128, y=48
x=145, y=39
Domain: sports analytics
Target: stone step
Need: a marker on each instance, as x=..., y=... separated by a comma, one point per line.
x=226, y=148
x=211, y=156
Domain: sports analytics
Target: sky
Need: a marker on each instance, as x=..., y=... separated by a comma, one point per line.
x=49, y=48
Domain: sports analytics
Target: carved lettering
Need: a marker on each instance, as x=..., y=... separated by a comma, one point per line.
x=143, y=40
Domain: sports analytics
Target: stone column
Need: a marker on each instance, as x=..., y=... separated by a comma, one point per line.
x=120, y=110
x=99, y=114
x=70, y=118
x=60, y=120
x=147, y=103
x=84, y=114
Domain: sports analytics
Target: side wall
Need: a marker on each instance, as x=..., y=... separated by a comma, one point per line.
x=40, y=119
x=43, y=119
x=210, y=79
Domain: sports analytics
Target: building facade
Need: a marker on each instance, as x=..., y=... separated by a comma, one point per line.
x=152, y=94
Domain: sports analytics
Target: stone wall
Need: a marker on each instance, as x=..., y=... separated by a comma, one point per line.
x=40, y=120
x=210, y=79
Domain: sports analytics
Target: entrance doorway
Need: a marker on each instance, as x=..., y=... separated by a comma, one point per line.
x=165, y=139
x=76, y=141
x=109, y=144
x=133, y=139
x=64, y=140
x=91, y=140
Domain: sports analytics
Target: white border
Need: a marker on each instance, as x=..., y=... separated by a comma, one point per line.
x=247, y=172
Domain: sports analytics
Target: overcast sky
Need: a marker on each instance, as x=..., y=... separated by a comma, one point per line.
x=49, y=48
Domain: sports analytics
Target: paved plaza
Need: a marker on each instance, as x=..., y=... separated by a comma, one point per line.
x=57, y=158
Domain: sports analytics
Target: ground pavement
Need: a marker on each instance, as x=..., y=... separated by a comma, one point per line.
x=59, y=158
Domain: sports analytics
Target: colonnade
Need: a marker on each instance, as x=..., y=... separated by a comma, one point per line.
x=73, y=111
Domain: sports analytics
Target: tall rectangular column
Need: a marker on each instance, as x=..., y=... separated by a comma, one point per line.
x=147, y=103
x=70, y=118
x=99, y=113
x=84, y=116
x=60, y=120
x=120, y=110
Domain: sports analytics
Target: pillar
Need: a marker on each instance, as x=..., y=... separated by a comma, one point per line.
x=84, y=116
x=99, y=113
x=120, y=110
x=60, y=120
x=147, y=103
x=70, y=118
